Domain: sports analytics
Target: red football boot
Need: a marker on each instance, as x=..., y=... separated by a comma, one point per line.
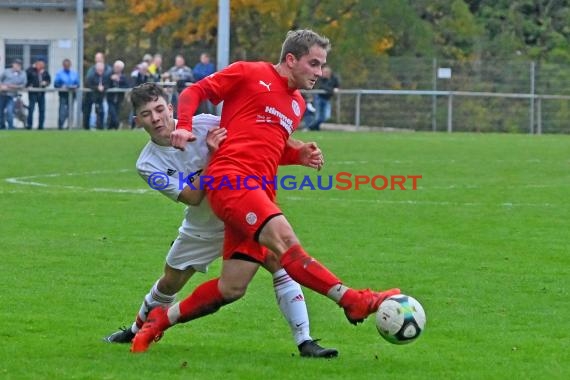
x=152, y=330
x=359, y=304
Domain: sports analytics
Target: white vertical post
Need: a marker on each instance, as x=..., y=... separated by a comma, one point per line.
x=539, y=116
x=79, y=99
x=223, y=50
x=434, y=99
x=338, y=95
x=532, y=91
x=450, y=112
x=223, y=34
x=70, y=110
x=357, y=111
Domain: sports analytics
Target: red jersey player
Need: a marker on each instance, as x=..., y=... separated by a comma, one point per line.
x=262, y=108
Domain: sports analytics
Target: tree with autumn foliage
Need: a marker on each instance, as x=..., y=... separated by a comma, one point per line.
x=361, y=31
x=128, y=29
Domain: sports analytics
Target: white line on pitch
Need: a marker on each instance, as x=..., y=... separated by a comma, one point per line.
x=416, y=202
x=31, y=181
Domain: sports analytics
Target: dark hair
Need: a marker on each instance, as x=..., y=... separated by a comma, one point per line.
x=298, y=43
x=145, y=93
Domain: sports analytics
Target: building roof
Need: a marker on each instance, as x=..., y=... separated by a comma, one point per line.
x=50, y=4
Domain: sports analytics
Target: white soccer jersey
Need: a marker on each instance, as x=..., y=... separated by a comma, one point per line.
x=166, y=162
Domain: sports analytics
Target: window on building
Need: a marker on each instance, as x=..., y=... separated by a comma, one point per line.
x=28, y=52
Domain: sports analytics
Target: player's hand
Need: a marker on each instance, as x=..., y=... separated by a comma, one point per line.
x=215, y=137
x=179, y=138
x=310, y=155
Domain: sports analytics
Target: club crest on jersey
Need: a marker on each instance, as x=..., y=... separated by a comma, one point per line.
x=251, y=218
x=296, y=108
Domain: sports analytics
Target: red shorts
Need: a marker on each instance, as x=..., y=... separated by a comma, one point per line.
x=244, y=212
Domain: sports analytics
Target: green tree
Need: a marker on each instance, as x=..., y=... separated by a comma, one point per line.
x=535, y=29
x=456, y=31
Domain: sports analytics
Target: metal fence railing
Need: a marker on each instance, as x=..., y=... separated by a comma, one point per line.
x=511, y=95
x=75, y=119
x=421, y=110
x=453, y=110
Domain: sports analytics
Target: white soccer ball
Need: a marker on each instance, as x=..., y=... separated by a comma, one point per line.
x=400, y=319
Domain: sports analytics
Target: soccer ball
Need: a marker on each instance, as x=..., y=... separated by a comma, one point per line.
x=400, y=319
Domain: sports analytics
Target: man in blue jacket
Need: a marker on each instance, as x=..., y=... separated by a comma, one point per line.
x=67, y=80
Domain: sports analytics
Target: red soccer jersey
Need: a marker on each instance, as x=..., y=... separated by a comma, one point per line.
x=260, y=112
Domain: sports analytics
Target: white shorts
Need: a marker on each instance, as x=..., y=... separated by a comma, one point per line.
x=194, y=251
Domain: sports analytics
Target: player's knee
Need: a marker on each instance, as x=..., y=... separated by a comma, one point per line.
x=232, y=292
x=283, y=241
x=278, y=235
x=288, y=238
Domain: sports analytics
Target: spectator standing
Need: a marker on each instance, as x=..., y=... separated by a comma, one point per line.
x=118, y=80
x=37, y=77
x=99, y=58
x=11, y=80
x=147, y=58
x=203, y=68
x=179, y=73
x=201, y=71
x=98, y=83
x=330, y=84
x=68, y=81
x=310, y=112
x=155, y=68
x=142, y=76
x=182, y=75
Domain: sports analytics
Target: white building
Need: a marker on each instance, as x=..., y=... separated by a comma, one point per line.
x=40, y=29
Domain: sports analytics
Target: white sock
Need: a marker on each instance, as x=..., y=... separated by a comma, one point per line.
x=152, y=299
x=291, y=301
x=337, y=292
x=173, y=313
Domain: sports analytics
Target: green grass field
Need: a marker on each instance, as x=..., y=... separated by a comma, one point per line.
x=483, y=244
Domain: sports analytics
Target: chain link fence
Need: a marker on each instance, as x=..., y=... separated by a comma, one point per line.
x=432, y=95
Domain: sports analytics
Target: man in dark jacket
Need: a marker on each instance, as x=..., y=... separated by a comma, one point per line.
x=37, y=77
x=98, y=82
x=118, y=80
x=330, y=84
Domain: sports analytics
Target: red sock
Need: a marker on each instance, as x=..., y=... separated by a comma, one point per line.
x=205, y=299
x=307, y=271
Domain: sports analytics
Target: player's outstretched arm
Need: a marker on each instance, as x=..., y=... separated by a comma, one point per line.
x=302, y=153
x=214, y=138
x=310, y=155
x=179, y=138
x=188, y=103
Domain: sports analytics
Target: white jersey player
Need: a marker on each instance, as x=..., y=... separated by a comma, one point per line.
x=201, y=234
x=200, y=237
